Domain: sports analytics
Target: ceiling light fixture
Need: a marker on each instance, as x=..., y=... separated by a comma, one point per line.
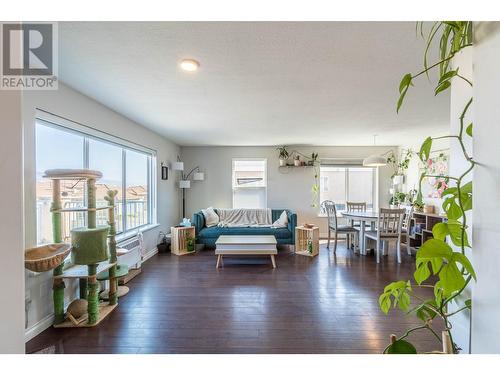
x=189, y=65
x=375, y=160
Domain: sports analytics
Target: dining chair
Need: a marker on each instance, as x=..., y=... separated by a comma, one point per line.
x=331, y=212
x=405, y=229
x=355, y=207
x=389, y=225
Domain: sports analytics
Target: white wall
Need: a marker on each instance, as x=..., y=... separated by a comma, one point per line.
x=486, y=200
x=286, y=189
x=70, y=104
x=461, y=92
x=12, y=227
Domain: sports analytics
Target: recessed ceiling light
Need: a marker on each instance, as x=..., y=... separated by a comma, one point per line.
x=189, y=65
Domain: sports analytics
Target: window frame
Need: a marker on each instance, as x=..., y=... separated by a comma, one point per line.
x=346, y=182
x=89, y=133
x=234, y=188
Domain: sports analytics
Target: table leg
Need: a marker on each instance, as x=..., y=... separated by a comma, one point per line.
x=218, y=261
x=362, y=249
x=273, y=260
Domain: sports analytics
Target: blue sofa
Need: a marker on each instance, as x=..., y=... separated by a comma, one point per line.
x=208, y=236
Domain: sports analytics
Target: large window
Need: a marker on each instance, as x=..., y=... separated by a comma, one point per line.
x=125, y=169
x=346, y=184
x=249, y=183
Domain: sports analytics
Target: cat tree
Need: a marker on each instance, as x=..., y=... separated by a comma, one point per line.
x=90, y=253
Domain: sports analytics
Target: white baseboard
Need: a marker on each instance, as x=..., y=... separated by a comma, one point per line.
x=46, y=322
x=149, y=254
x=38, y=327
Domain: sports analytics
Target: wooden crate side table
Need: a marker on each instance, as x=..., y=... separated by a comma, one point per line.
x=307, y=241
x=181, y=239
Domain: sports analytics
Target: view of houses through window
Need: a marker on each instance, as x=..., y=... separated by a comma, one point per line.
x=124, y=169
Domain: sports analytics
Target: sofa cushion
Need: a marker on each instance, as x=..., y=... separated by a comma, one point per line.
x=215, y=232
x=211, y=217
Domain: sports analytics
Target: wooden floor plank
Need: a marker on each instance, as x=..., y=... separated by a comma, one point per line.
x=326, y=304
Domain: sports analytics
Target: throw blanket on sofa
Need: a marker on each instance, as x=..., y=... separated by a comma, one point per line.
x=245, y=217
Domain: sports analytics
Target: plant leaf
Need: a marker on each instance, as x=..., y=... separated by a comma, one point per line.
x=448, y=75
x=451, y=278
x=468, y=130
x=441, y=87
x=464, y=261
x=422, y=272
x=405, y=82
x=440, y=231
x=425, y=149
x=433, y=248
x=401, y=347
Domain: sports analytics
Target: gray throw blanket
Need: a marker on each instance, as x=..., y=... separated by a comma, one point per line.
x=245, y=217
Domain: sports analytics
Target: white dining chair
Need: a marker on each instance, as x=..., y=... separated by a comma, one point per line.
x=355, y=207
x=389, y=224
x=331, y=211
x=405, y=228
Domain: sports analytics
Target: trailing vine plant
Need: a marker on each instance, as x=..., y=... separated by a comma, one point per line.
x=452, y=271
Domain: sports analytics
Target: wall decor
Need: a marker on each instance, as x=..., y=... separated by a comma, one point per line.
x=164, y=172
x=437, y=165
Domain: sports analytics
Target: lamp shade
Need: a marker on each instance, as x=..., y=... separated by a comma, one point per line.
x=374, y=161
x=184, y=184
x=199, y=176
x=178, y=166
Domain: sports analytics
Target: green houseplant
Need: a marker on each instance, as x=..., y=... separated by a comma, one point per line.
x=452, y=271
x=283, y=155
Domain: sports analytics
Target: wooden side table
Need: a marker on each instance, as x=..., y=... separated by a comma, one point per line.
x=307, y=241
x=183, y=240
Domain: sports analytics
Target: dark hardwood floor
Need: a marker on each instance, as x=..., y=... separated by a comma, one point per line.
x=327, y=304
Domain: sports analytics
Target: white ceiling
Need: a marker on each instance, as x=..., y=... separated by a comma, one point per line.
x=322, y=83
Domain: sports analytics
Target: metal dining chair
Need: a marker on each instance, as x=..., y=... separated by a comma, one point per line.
x=331, y=211
x=355, y=207
x=389, y=225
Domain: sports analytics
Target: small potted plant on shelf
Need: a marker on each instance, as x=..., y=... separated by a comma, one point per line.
x=283, y=155
x=418, y=206
x=314, y=159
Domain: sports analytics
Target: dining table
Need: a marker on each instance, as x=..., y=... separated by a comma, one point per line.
x=363, y=217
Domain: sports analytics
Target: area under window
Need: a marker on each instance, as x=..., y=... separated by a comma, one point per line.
x=249, y=183
x=347, y=184
x=127, y=170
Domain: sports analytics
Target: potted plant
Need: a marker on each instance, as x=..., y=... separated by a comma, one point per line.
x=399, y=165
x=283, y=155
x=313, y=160
x=190, y=244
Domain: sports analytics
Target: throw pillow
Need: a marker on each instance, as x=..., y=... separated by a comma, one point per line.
x=211, y=217
x=282, y=220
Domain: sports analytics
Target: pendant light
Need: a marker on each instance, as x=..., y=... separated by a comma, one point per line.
x=375, y=160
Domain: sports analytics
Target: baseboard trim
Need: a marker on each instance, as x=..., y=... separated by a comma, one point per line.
x=38, y=327
x=149, y=254
x=46, y=322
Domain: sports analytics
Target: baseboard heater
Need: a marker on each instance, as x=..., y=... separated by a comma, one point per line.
x=129, y=252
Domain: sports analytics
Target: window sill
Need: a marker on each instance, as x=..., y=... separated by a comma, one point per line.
x=133, y=232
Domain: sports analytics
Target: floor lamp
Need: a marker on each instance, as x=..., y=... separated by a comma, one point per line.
x=185, y=182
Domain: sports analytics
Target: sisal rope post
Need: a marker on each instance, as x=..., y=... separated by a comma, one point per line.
x=113, y=280
x=58, y=284
x=91, y=199
x=93, y=295
x=92, y=291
